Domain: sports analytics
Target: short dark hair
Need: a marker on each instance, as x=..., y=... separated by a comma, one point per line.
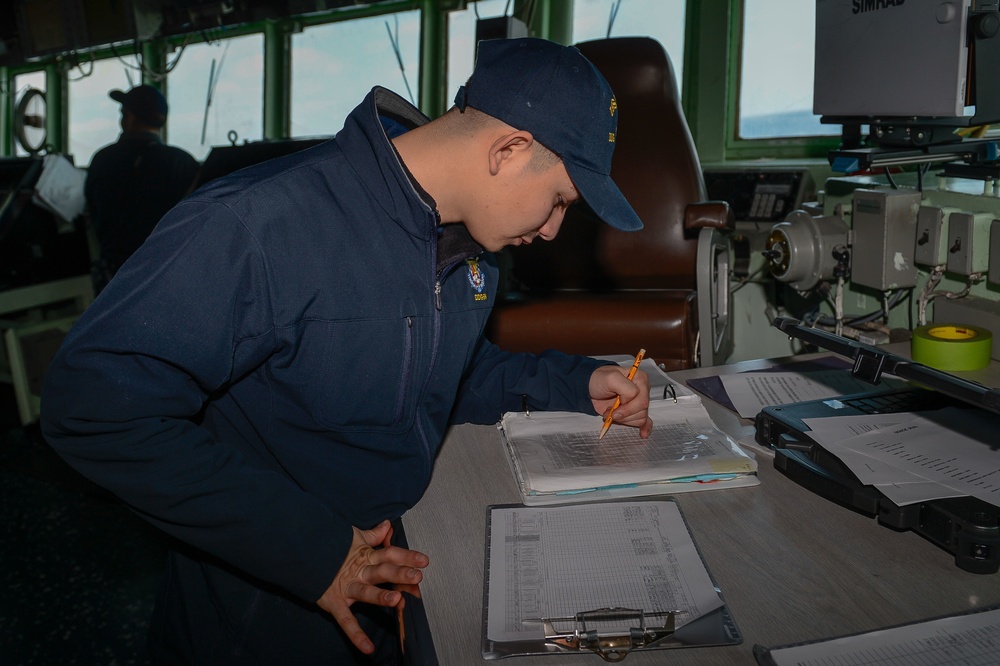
x=543, y=158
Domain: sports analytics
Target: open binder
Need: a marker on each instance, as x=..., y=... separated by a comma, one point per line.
x=558, y=458
x=566, y=580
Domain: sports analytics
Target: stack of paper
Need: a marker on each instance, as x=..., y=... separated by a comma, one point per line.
x=904, y=457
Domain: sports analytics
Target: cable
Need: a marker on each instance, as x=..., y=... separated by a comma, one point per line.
x=743, y=281
x=929, y=294
x=170, y=65
x=856, y=320
x=79, y=66
x=147, y=71
x=925, y=294
x=838, y=306
x=921, y=171
x=909, y=308
x=138, y=66
x=888, y=304
x=208, y=40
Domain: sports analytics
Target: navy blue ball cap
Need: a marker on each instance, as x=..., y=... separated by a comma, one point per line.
x=146, y=102
x=555, y=93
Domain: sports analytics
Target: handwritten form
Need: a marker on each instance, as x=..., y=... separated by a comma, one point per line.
x=554, y=562
x=961, y=640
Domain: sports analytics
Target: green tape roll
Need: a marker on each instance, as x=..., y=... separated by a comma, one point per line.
x=952, y=346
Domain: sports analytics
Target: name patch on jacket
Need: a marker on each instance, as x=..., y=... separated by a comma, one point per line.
x=476, y=279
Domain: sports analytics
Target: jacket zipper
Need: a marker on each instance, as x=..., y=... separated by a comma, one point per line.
x=435, y=338
x=407, y=369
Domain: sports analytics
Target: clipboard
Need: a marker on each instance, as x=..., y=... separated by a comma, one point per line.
x=612, y=629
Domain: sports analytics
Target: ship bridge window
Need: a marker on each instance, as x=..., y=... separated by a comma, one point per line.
x=94, y=118
x=335, y=65
x=776, y=73
x=216, y=91
x=663, y=20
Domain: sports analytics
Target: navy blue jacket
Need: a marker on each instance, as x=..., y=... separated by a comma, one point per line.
x=130, y=185
x=281, y=359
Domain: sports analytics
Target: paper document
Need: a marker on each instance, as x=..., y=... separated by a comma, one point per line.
x=60, y=188
x=902, y=487
x=752, y=391
x=970, y=640
x=555, y=455
x=948, y=452
x=546, y=563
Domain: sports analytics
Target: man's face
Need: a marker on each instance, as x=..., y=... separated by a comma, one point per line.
x=526, y=205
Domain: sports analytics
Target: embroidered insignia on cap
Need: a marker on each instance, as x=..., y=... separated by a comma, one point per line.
x=476, y=278
x=611, y=110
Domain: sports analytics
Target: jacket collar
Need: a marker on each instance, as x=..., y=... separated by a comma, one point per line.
x=381, y=116
x=140, y=136
x=368, y=147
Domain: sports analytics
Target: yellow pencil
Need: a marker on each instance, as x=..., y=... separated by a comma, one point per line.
x=618, y=400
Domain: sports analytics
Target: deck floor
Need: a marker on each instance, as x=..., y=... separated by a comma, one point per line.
x=78, y=570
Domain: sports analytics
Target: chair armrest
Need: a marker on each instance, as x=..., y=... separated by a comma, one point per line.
x=710, y=215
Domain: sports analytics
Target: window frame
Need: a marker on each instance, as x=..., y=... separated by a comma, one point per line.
x=738, y=148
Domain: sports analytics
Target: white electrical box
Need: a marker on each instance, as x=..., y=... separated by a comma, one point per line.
x=968, y=242
x=993, y=274
x=884, y=224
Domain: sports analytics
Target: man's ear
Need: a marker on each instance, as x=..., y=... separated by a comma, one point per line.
x=510, y=148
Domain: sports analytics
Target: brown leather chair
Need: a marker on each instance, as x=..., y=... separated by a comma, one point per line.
x=595, y=290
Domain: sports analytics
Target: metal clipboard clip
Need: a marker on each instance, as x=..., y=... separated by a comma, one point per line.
x=612, y=646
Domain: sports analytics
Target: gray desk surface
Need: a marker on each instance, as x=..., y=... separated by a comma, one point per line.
x=791, y=565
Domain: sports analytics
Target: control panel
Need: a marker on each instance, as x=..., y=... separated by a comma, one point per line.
x=759, y=195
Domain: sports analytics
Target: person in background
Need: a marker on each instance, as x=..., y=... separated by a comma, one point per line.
x=270, y=377
x=133, y=182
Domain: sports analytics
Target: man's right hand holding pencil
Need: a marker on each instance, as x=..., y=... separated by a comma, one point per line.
x=625, y=401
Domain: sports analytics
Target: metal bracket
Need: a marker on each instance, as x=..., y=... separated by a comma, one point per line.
x=611, y=646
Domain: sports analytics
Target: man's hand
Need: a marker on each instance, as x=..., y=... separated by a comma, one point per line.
x=611, y=381
x=362, y=571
